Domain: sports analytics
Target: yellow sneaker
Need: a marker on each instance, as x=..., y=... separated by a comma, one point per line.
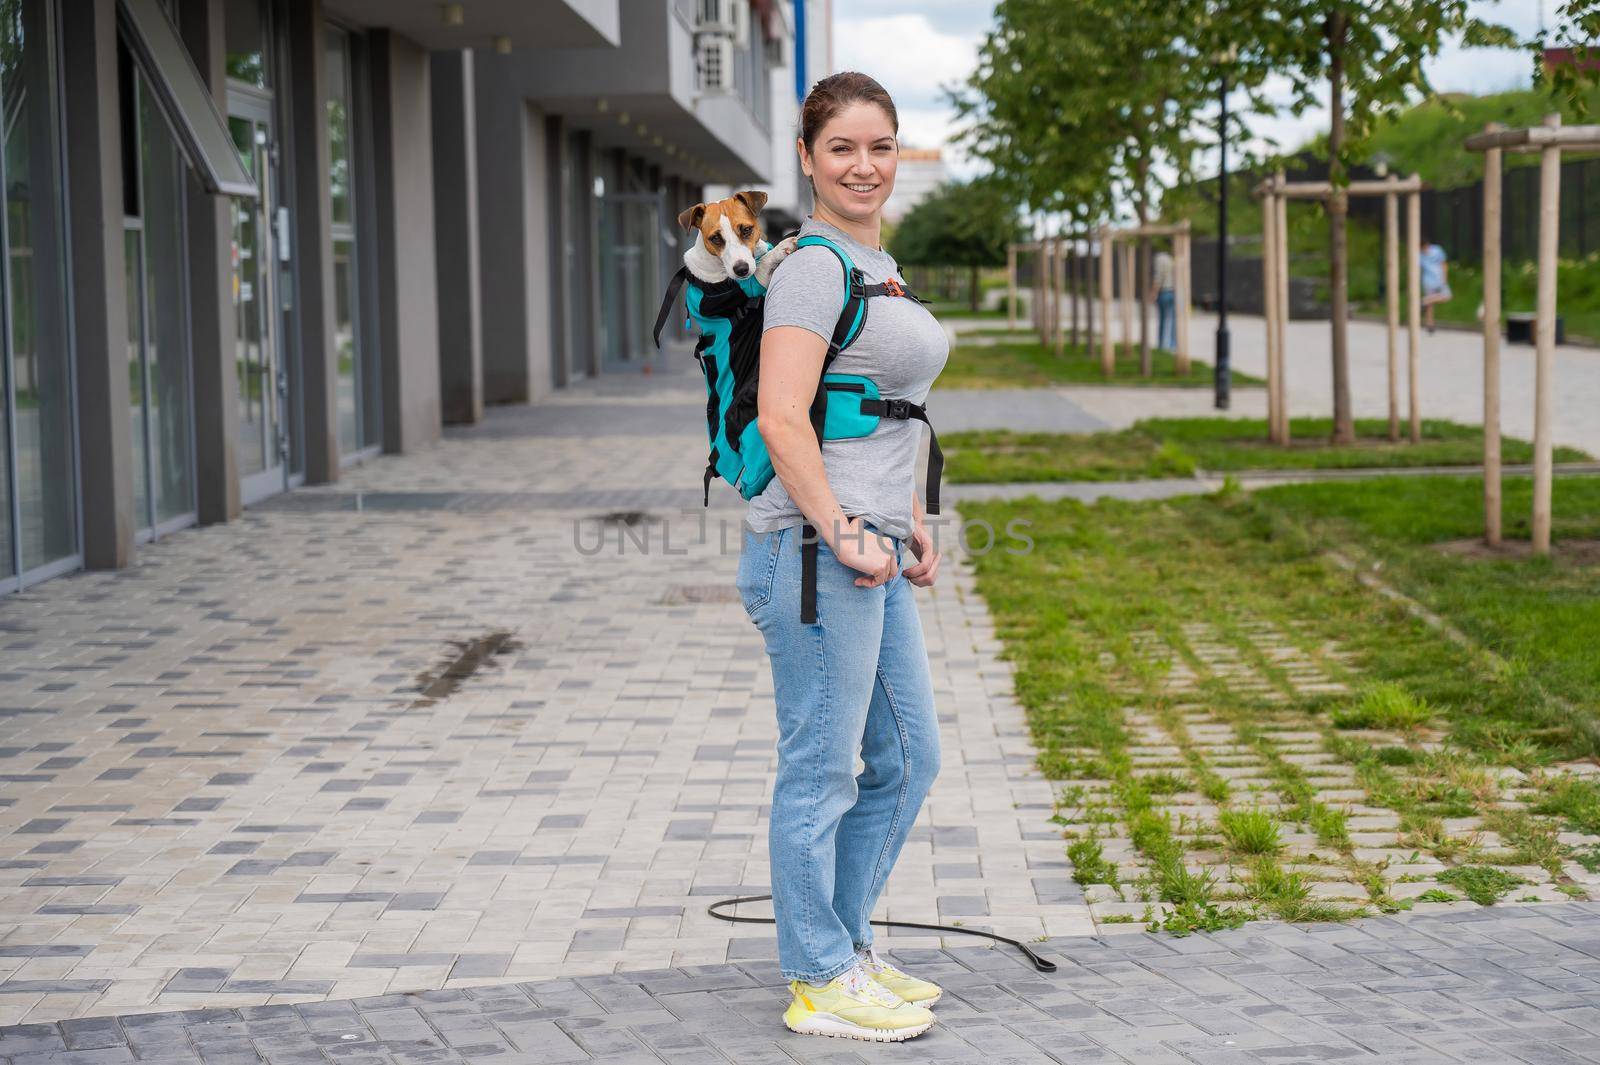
x=854, y=1006
x=908, y=988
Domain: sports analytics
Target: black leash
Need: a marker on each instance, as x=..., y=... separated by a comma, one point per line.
x=1041, y=964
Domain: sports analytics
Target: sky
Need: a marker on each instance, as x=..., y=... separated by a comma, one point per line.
x=913, y=47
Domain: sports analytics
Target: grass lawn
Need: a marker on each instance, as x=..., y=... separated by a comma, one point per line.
x=1029, y=364
x=1248, y=731
x=962, y=310
x=1178, y=447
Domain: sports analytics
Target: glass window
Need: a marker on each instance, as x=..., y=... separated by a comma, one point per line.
x=245, y=28
x=166, y=314
x=251, y=359
x=147, y=29
x=357, y=415
x=44, y=478
x=133, y=275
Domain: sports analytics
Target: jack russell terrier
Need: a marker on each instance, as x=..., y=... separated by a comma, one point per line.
x=730, y=244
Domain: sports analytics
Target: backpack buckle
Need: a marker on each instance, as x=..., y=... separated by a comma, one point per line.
x=899, y=408
x=893, y=287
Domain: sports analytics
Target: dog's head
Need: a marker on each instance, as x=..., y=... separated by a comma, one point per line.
x=729, y=229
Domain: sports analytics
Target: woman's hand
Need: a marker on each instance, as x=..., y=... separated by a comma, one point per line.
x=866, y=552
x=925, y=570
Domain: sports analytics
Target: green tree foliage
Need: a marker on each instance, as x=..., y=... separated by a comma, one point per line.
x=1079, y=106
x=959, y=225
x=1577, y=26
x=1369, y=54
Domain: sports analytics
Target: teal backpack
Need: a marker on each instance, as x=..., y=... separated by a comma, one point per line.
x=729, y=317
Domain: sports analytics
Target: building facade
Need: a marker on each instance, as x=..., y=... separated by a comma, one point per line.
x=251, y=242
x=920, y=172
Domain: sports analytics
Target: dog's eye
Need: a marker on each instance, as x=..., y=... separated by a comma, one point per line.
x=745, y=231
x=715, y=240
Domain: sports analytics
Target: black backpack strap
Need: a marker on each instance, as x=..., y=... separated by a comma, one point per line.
x=808, y=574
x=674, y=286
x=903, y=410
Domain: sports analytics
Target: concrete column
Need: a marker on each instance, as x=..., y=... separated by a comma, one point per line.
x=93, y=117
x=408, y=294
x=455, y=203
x=502, y=231
x=312, y=241
x=212, y=317
x=559, y=226
x=536, y=243
x=585, y=167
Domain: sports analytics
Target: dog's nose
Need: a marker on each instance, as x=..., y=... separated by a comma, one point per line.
x=741, y=269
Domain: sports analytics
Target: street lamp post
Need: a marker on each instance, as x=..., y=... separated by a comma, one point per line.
x=1222, y=372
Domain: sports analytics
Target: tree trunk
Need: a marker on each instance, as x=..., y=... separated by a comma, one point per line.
x=973, y=290
x=1338, y=248
x=1141, y=269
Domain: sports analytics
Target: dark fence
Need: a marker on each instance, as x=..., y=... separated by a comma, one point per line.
x=1453, y=218
x=1244, y=279
x=953, y=284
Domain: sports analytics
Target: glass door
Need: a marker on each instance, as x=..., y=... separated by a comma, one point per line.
x=160, y=387
x=38, y=441
x=263, y=440
x=630, y=277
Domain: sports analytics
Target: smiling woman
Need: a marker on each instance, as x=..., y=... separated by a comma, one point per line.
x=821, y=575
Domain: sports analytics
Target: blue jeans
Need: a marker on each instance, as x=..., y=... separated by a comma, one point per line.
x=855, y=682
x=1167, y=321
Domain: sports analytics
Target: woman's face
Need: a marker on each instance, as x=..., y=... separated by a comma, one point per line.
x=853, y=161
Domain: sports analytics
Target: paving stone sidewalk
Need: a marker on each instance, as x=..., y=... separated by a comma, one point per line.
x=222, y=783
x=1496, y=986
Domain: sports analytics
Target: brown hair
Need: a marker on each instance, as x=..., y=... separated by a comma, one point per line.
x=833, y=94
x=836, y=92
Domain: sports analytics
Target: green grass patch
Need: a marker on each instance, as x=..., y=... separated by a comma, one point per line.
x=1089, y=863
x=1483, y=884
x=1187, y=918
x=1029, y=364
x=1575, y=800
x=1179, y=447
x=1438, y=895
x=1003, y=456
x=1250, y=831
x=1384, y=706
x=1541, y=617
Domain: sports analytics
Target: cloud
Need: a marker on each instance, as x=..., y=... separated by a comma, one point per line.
x=912, y=59
x=906, y=54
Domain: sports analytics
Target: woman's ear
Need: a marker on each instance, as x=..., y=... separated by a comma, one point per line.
x=805, y=158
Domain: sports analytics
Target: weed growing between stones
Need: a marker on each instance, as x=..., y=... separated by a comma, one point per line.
x=1247, y=729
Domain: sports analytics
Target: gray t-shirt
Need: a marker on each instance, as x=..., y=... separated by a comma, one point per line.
x=902, y=348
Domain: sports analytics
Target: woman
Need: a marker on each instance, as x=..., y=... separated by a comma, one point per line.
x=856, y=682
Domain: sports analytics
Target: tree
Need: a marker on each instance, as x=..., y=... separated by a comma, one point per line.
x=1079, y=106
x=1370, y=54
x=1577, y=27
x=967, y=225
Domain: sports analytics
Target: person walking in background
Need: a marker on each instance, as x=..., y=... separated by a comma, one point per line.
x=1167, y=316
x=1435, y=279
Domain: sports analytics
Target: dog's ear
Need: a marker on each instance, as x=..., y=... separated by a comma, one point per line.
x=690, y=219
x=753, y=200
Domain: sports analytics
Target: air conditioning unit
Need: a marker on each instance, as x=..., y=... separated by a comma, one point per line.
x=714, y=60
x=717, y=16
